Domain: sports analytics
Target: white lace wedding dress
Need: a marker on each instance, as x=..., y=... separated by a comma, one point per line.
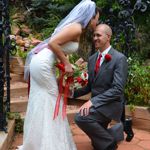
x=41, y=132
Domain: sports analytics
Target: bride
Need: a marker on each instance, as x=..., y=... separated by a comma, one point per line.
x=41, y=132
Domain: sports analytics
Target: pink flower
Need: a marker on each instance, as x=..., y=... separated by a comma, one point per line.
x=108, y=57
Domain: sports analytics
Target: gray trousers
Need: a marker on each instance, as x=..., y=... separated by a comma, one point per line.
x=95, y=126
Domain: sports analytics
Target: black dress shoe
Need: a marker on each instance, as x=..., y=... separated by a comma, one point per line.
x=129, y=137
x=128, y=129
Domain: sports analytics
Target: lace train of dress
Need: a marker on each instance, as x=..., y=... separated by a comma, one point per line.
x=41, y=132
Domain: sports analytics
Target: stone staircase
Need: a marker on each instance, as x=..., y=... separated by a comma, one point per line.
x=18, y=103
x=18, y=93
x=19, y=96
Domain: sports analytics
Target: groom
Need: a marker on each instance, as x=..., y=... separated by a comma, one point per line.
x=107, y=70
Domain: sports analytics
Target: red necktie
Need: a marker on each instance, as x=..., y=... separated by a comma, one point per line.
x=97, y=65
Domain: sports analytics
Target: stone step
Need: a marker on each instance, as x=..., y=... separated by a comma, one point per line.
x=140, y=116
x=16, y=78
x=6, y=138
x=18, y=89
x=70, y=115
x=19, y=104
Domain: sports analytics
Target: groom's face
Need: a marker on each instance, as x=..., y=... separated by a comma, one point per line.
x=100, y=38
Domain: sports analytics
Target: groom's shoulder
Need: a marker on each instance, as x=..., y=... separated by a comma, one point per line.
x=117, y=53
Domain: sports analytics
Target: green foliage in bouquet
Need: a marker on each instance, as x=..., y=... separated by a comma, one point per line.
x=73, y=58
x=137, y=90
x=77, y=71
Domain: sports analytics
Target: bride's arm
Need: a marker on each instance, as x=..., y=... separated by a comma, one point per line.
x=70, y=33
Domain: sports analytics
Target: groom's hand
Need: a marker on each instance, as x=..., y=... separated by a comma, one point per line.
x=85, y=108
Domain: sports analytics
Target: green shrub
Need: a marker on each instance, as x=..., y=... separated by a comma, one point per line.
x=137, y=90
x=18, y=121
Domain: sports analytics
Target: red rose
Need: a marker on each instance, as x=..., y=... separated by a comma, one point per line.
x=79, y=80
x=107, y=57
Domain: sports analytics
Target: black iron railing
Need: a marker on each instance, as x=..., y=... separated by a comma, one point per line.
x=5, y=48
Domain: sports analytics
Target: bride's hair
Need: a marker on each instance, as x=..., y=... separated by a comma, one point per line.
x=97, y=10
x=81, y=13
x=85, y=44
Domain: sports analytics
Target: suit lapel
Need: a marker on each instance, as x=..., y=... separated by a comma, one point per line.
x=103, y=66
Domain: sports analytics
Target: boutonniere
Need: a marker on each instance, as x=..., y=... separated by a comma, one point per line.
x=108, y=57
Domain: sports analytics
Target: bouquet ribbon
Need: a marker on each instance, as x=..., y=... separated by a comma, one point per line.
x=68, y=81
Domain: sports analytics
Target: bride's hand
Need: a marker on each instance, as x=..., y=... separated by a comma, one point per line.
x=68, y=69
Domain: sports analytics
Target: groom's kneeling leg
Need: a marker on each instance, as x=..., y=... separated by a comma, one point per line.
x=95, y=126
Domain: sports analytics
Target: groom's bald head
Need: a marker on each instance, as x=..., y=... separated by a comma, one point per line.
x=102, y=37
x=105, y=28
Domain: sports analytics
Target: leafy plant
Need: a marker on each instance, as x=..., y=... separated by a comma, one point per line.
x=44, y=14
x=18, y=121
x=20, y=53
x=138, y=84
x=132, y=107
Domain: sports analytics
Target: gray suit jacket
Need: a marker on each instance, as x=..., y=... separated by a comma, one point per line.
x=107, y=87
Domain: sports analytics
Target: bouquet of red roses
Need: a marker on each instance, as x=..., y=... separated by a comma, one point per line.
x=80, y=75
x=79, y=79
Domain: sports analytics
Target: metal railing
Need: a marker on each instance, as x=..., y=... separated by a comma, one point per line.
x=5, y=48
